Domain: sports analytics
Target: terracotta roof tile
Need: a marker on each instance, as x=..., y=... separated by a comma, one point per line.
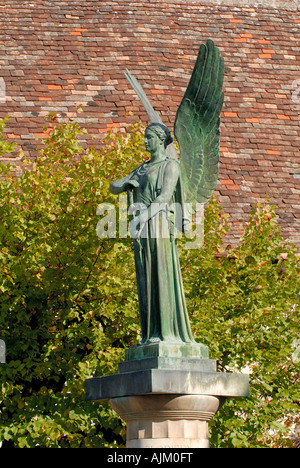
x=59, y=54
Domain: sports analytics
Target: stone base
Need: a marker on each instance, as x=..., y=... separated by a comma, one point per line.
x=167, y=393
x=167, y=421
x=167, y=350
x=168, y=381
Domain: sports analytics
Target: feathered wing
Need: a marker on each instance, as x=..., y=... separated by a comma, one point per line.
x=197, y=126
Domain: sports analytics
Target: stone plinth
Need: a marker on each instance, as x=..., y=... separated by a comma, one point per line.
x=167, y=394
x=167, y=421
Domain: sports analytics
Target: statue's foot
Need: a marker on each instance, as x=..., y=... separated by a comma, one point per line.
x=155, y=339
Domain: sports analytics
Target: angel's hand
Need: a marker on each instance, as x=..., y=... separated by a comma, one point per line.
x=132, y=184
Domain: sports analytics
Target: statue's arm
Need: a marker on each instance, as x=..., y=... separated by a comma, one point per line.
x=121, y=185
x=171, y=175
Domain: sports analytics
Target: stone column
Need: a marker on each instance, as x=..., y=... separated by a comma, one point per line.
x=167, y=394
x=167, y=421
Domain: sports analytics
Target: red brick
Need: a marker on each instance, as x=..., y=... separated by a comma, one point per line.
x=157, y=91
x=65, y=62
x=51, y=86
x=112, y=125
x=264, y=41
x=253, y=120
x=268, y=51
x=265, y=55
x=13, y=135
x=225, y=181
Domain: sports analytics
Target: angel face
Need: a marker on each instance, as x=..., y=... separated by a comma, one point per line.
x=152, y=141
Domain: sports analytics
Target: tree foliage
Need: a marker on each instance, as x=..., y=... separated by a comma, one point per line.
x=245, y=304
x=69, y=304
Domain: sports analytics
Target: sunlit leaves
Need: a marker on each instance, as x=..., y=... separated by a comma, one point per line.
x=68, y=299
x=69, y=304
x=245, y=307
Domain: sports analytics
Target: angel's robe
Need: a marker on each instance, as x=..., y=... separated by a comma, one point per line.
x=163, y=312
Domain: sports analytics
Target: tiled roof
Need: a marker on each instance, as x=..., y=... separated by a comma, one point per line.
x=57, y=54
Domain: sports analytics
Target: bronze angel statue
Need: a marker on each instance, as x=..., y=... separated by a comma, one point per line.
x=162, y=184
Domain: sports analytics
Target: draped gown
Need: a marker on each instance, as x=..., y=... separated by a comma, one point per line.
x=163, y=312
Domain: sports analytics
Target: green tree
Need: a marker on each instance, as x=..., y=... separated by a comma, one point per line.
x=245, y=304
x=69, y=303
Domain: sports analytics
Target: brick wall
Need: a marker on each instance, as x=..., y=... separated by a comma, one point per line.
x=58, y=54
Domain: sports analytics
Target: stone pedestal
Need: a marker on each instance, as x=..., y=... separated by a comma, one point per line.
x=167, y=393
x=167, y=421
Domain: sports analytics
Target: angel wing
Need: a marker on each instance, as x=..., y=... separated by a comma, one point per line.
x=197, y=125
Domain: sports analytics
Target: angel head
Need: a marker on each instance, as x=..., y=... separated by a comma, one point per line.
x=162, y=133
